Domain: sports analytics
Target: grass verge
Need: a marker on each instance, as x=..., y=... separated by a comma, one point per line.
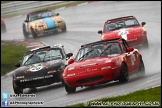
x=3, y=2
x=148, y=98
x=10, y=55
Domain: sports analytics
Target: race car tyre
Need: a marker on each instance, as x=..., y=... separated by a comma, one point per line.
x=17, y=89
x=124, y=76
x=3, y=29
x=69, y=89
x=141, y=70
x=62, y=81
x=33, y=33
x=64, y=29
x=146, y=45
x=25, y=33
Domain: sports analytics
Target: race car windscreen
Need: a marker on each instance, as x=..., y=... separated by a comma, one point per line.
x=98, y=50
x=42, y=56
x=121, y=24
x=41, y=15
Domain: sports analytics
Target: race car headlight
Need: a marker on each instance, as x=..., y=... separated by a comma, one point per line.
x=51, y=71
x=107, y=61
x=19, y=77
x=106, y=67
x=40, y=26
x=71, y=68
x=72, y=74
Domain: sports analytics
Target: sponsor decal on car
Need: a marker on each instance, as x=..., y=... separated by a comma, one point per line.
x=37, y=78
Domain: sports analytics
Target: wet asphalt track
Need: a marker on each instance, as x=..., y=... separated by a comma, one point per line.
x=83, y=22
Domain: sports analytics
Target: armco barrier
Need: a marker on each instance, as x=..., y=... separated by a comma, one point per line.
x=22, y=6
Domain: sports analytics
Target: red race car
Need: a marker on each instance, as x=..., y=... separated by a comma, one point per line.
x=125, y=27
x=101, y=62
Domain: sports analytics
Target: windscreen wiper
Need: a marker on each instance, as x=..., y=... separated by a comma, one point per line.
x=29, y=58
x=86, y=54
x=105, y=50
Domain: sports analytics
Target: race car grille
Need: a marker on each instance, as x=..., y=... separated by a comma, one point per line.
x=92, y=79
x=51, y=28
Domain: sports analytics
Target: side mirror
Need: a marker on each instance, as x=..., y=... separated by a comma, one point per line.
x=70, y=61
x=26, y=20
x=130, y=49
x=57, y=14
x=18, y=64
x=69, y=55
x=143, y=23
x=100, y=32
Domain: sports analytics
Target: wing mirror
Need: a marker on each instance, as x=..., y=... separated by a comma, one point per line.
x=100, y=32
x=130, y=49
x=70, y=61
x=26, y=20
x=69, y=55
x=18, y=63
x=143, y=23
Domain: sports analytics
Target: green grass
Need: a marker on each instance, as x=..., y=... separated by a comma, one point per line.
x=49, y=7
x=148, y=97
x=2, y=2
x=10, y=55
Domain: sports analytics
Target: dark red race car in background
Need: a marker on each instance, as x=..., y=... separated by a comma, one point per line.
x=101, y=62
x=3, y=26
x=125, y=27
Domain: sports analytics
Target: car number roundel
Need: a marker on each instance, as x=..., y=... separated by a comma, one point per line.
x=123, y=33
x=35, y=68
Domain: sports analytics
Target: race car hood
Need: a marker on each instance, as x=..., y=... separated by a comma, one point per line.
x=93, y=63
x=38, y=69
x=48, y=22
x=126, y=33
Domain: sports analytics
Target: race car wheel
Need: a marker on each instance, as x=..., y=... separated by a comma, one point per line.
x=25, y=33
x=69, y=89
x=141, y=70
x=146, y=45
x=124, y=77
x=33, y=33
x=17, y=89
x=64, y=29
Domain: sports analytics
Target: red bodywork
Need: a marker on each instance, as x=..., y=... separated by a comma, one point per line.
x=100, y=69
x=135, y=35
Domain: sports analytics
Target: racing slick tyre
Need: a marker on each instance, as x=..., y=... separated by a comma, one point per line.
x=33, y=33
x=17, y=89
x=141, y=70
x=25, y=33
x=69, y=89
x=64, y=29
x=124, y=76
x=146, y=45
